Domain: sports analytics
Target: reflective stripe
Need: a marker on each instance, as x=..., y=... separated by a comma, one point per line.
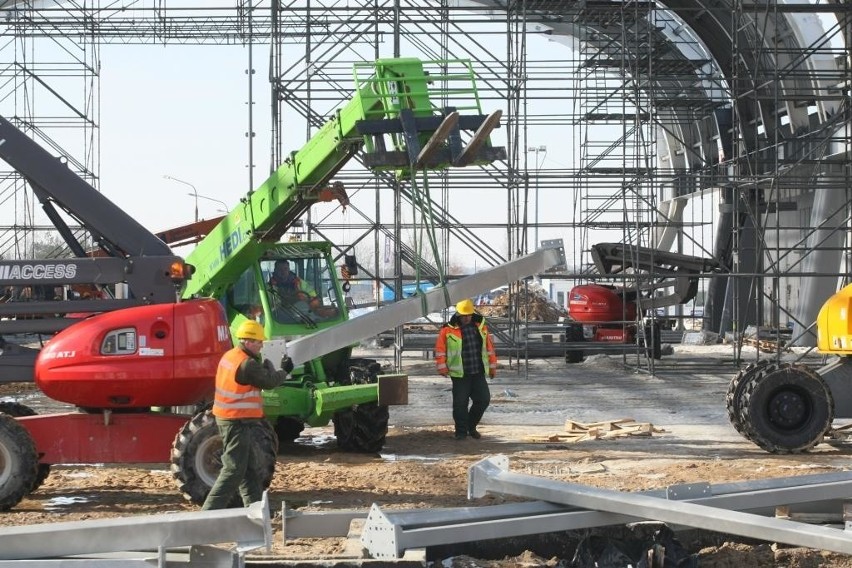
x=223, y=405
x=233, y=400
x=254, y=393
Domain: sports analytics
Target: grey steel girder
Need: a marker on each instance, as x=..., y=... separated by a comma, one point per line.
x=194, y=557
x=249, y=527
x=388, y=317
x=388, y=534
x=491, y=475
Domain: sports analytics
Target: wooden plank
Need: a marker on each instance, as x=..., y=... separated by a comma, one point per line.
x=573, y=425
x=607, y=429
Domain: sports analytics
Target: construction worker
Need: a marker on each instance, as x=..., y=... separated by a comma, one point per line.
x=238, y=408
x=464, y=352
x=290, y=287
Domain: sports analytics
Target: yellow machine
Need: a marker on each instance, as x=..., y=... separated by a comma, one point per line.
x=788, y=408
x=834, y=328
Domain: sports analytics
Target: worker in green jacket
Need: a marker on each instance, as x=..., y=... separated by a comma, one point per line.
x=465, y=353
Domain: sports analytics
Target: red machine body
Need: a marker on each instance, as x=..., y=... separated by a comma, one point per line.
x=153, y=355
x=594, y=303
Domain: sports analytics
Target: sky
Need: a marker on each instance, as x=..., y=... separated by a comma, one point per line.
x=178, y=111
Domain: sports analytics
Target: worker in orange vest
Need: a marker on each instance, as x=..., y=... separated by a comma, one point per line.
x=465, y=353
x=238, y=408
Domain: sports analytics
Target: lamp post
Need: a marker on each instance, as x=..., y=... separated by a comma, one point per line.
x=543, y=151
x=194, y=192
x=224, y=205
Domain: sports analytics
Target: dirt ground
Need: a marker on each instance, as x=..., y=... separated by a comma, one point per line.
x=423, y=466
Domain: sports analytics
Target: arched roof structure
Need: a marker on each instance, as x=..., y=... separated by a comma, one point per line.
x=776, y=116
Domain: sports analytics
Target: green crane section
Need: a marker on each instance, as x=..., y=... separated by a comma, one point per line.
x=405, y=114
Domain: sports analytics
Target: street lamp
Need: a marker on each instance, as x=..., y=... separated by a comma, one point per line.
x=194, y=192
x=543, y=151
x=224, y=205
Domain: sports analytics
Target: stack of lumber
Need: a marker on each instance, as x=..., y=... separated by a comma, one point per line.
x=532, y=304
x=580, y=432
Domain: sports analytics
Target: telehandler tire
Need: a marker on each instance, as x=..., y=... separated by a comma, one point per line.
x=288, y=429
x=735, y=391
x=18, y=462
x=196, y=456
x=362, y=428
x=786, y=409
x=17, y=409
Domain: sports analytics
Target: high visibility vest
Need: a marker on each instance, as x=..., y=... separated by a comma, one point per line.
x=232, y=400
x=448, y=350
x=296, y=284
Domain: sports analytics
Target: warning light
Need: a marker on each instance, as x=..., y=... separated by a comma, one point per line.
x=180, y=271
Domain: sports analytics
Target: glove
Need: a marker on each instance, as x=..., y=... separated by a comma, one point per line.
x=269, y=366
x=286, y=364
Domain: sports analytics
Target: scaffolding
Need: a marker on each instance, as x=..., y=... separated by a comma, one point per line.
x=622, y=122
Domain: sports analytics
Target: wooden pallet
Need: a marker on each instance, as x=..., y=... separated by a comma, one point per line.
x=765, y=345
x=580, y=432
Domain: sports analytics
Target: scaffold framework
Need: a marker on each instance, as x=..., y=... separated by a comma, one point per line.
x=716, y=131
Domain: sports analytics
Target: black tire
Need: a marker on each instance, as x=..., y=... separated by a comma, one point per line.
x=574, y=356
x=574, y=334
x=653, y=336
x=196, y=456
x=786, y=410
x=288, y=429
x=18, y=462
x=735, y=391
x=17, y=409
x=362, y=428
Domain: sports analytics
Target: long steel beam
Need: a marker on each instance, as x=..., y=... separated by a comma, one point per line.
x=249, y=527
x=388, y=534
x=317, y=344
x=194, y=557
x=491, y=475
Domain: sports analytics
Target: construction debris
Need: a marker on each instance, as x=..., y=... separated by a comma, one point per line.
x=842, y=433
x=531, y=302
x=580, y=432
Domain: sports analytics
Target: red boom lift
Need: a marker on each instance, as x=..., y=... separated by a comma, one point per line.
x=604, y=315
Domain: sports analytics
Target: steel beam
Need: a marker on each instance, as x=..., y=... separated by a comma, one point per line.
x=194, y=557
x=491, y=475
x=327, y=340
x=249, y=527
x=314, y=524
x=388, y=534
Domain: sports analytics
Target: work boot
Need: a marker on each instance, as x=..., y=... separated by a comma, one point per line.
x=475, y=434
x=460, y=436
